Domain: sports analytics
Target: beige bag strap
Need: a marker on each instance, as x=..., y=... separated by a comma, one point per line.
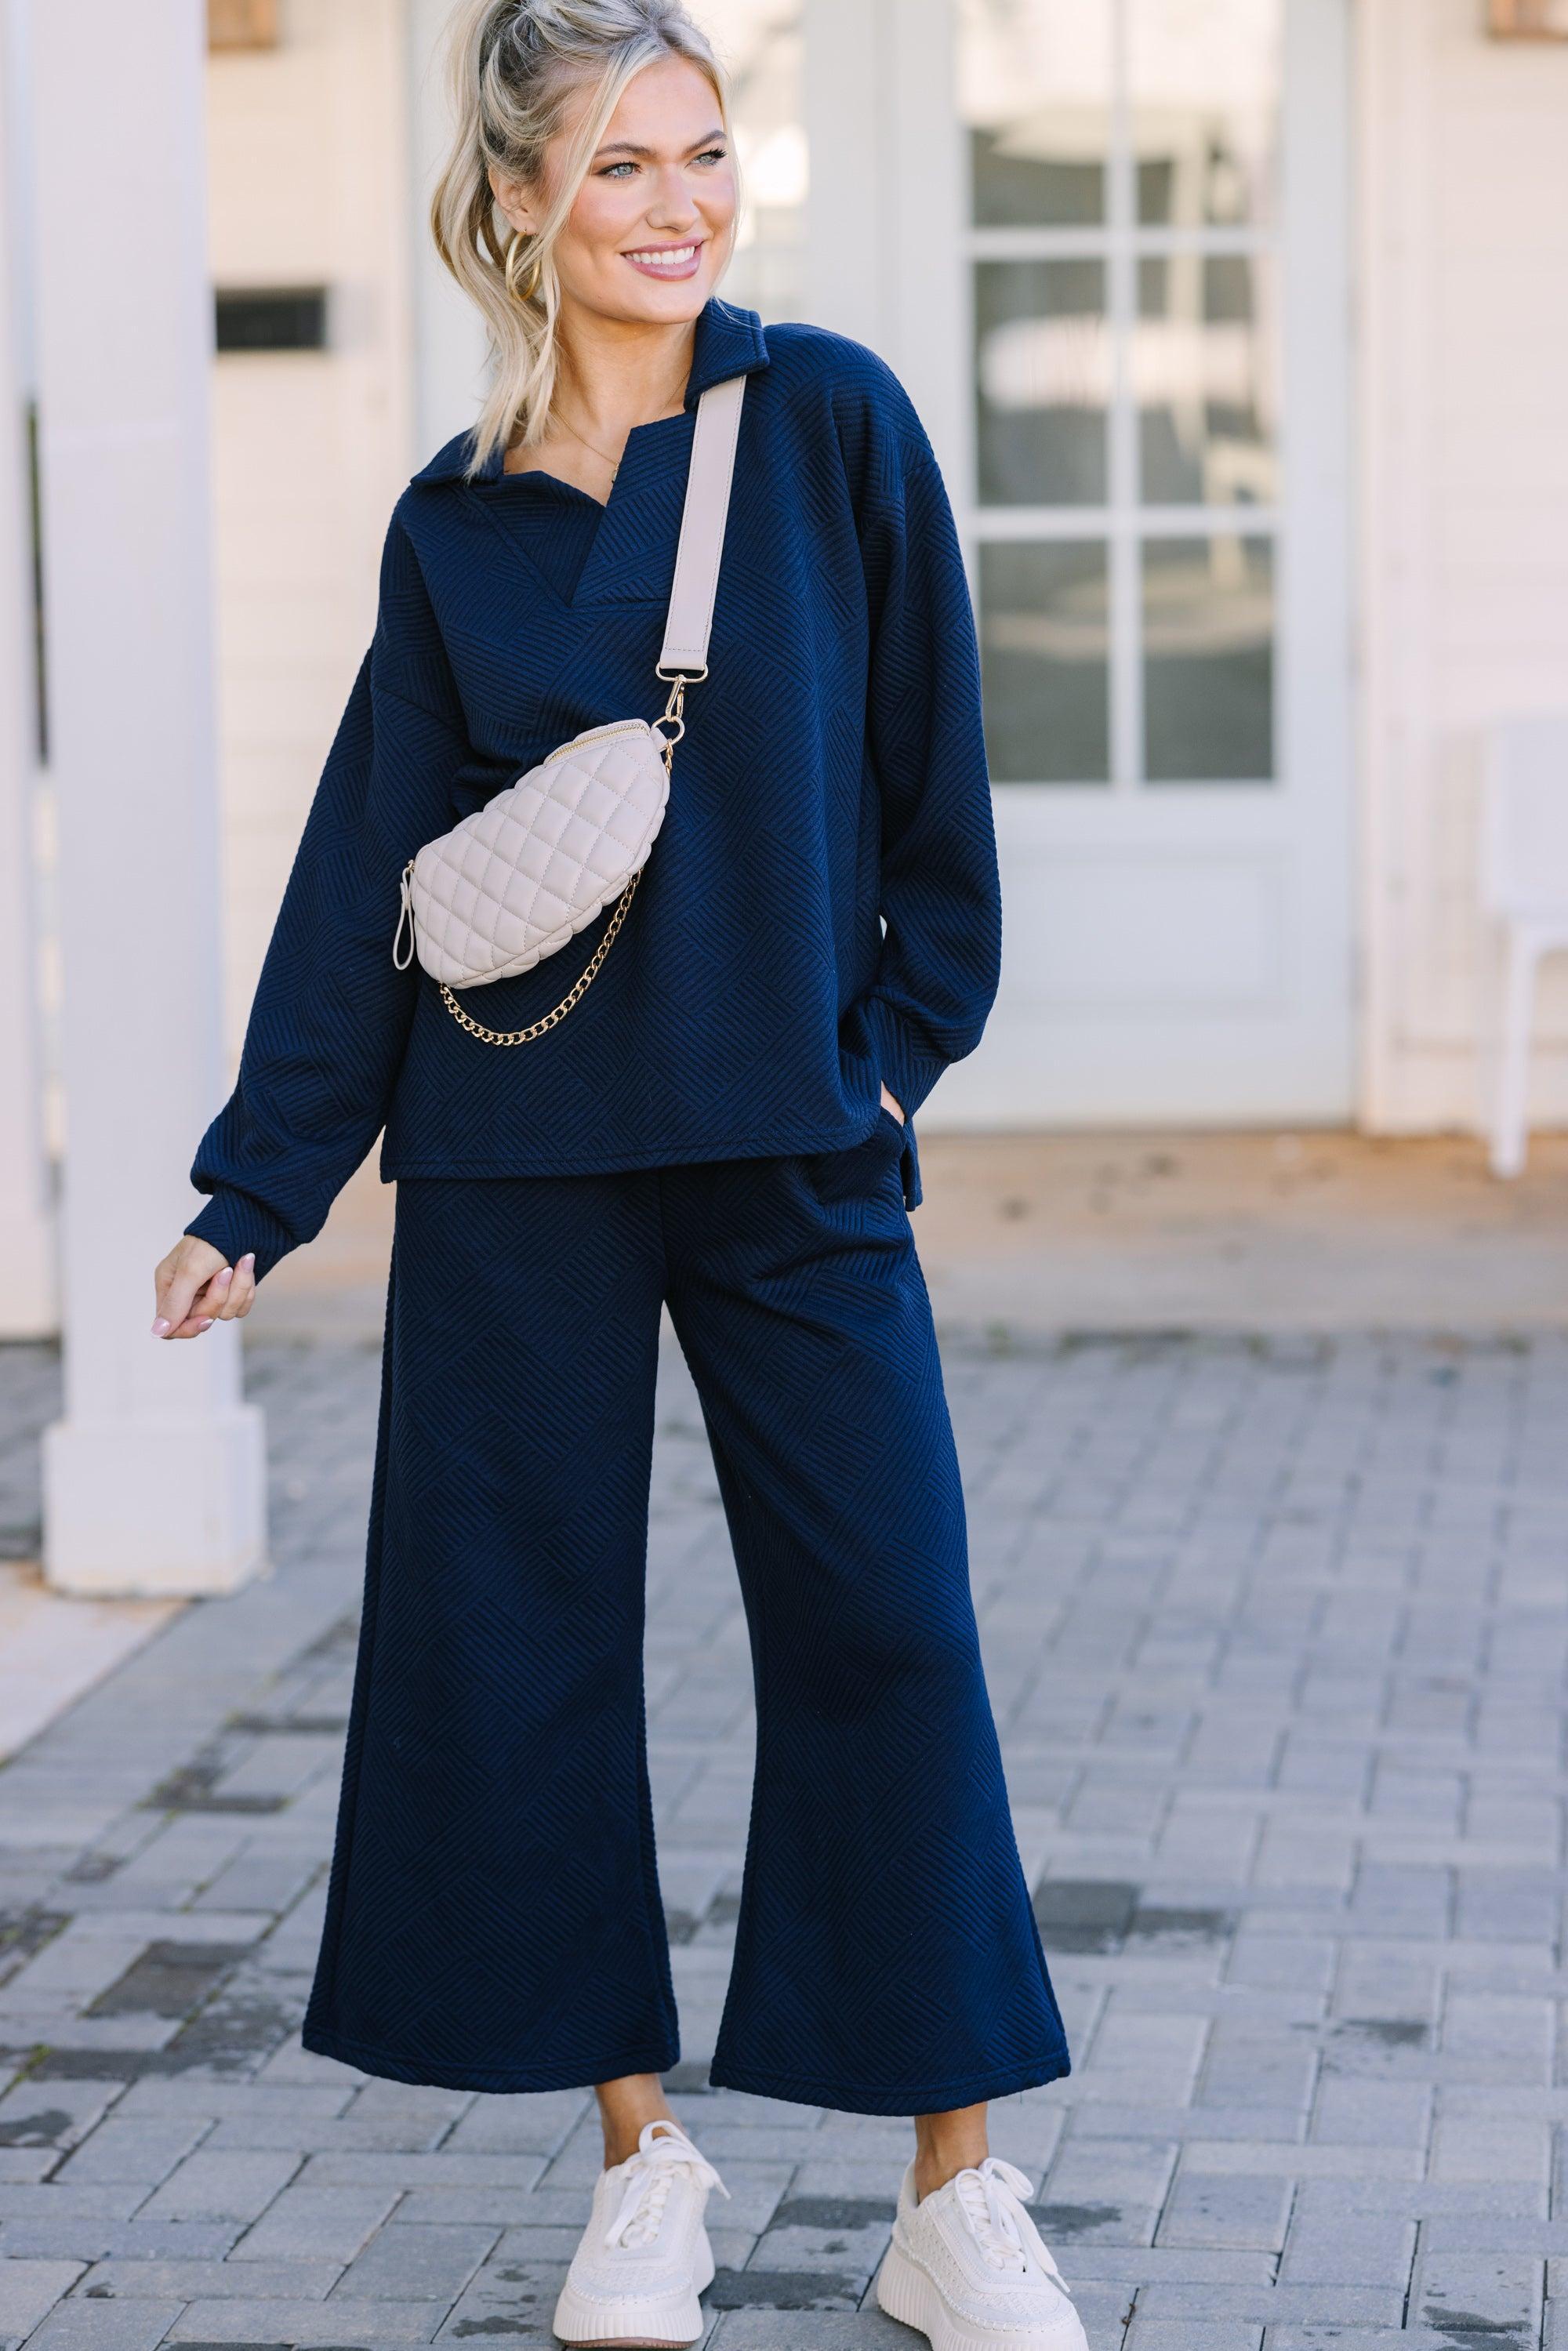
x=703, y=519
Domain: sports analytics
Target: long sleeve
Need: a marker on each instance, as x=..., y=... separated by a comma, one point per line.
x=941, y=898
x=331, y=1013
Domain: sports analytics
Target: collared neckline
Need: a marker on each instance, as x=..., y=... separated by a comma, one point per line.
x=729, y=341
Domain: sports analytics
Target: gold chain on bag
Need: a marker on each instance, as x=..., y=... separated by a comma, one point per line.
x=670, y=716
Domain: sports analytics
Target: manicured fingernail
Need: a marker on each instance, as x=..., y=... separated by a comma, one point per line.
x=247, y=1261
x=159, y=1328
x=226, y=1276
x=205, y=1321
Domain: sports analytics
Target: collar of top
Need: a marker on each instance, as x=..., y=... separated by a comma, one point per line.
x=729, y=341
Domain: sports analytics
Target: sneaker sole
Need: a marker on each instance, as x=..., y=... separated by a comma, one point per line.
x=672, y=2323
x=906, y=2293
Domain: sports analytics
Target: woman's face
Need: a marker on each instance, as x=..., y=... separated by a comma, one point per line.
x=651, y=230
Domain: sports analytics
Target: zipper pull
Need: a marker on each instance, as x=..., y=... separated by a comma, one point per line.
x=406, y=917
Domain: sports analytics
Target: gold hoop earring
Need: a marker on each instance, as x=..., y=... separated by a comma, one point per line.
x=525, y=293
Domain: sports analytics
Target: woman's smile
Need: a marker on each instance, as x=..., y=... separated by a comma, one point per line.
x=668, y=260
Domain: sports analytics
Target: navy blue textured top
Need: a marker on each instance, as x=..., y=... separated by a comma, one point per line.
x=820, y=912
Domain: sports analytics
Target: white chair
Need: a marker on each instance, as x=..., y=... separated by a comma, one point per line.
x=1525, y=888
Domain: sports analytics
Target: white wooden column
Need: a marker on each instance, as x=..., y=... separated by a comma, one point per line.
x=153, y=1478
x=27, y=1307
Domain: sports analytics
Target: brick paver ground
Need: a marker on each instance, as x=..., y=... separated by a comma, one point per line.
x=1276, y=1636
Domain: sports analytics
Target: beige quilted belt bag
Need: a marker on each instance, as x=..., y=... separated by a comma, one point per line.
x=519, y=877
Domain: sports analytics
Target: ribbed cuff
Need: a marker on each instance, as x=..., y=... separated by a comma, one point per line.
x=235, y=1223
x=904, y=1064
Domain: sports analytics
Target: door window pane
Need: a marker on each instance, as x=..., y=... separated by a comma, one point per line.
x=1035, y=92
x=1204, y=371
x=1043, y=368
x=1208, y=660
x=1204, y=84
x=1044, y=643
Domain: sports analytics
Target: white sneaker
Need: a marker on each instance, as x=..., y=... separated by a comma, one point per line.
x=644, y=2257
x=968, y=2267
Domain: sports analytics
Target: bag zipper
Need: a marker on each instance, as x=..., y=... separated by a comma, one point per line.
x=597, y=734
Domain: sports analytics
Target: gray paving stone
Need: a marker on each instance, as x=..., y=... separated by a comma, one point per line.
x=120, y=2279
x=1105, y=2191
x=30, y=2203
x=1094, y=2262
x=1336, y=2250
x=800, y=2330
x=1476, y=2293
x=824, y=2251
x=418, y=2264
x=511, y=2296
x=370, y=2167
x=29, y=2290
x=77, y=2326
x=1466, y=2148
x=1191, y=2334
x=1366, y=2113
x=520, y=2126
x=223, y=2185
x=137, y=2240
x=137, y=2147
x=26, y=2164
x=316, y=2224
x=1225, y=2209
x=53, y=2113
x=305, y=2322
x=1326, y=2337
x=1268, y=2305
x=497, y=2208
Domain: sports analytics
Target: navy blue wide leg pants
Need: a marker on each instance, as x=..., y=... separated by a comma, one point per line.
x=494, y=1919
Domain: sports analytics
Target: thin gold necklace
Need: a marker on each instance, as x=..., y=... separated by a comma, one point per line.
x=613, y=463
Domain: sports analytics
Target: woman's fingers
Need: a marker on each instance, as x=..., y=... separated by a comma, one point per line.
x=241, y=1293
x=178, y=1281
x=203, y=1310
x=191, y=1286
x=225, y=1298
x=214, y=1296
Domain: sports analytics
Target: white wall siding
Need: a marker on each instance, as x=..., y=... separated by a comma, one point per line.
x=310, y=175
x=1464, y=514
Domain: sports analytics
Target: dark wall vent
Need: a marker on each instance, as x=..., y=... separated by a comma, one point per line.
x=272, y=319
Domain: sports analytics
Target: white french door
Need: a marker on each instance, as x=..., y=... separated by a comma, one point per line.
x=1141, y=404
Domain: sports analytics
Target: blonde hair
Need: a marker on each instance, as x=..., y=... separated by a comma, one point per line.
x=514, y=65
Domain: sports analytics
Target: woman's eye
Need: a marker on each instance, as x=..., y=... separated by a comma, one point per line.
x=626, y=169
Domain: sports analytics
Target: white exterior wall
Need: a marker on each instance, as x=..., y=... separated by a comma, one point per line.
x=1463, y=253
x=309, y=185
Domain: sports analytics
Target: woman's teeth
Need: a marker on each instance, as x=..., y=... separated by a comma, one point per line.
x=665, y=257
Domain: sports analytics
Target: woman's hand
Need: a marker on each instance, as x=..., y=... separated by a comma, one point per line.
x=890, y=1101
x=196, y=1286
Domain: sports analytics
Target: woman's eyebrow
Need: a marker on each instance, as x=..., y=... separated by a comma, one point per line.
x=629, y=146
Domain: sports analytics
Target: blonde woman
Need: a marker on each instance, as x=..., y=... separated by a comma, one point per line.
x=721, y=1124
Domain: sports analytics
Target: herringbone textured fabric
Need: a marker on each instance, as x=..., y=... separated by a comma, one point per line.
x=494, y=1920
x=832, y=782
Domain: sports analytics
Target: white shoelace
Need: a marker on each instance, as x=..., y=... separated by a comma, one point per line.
x=649, y=2174
x=989, y=2197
